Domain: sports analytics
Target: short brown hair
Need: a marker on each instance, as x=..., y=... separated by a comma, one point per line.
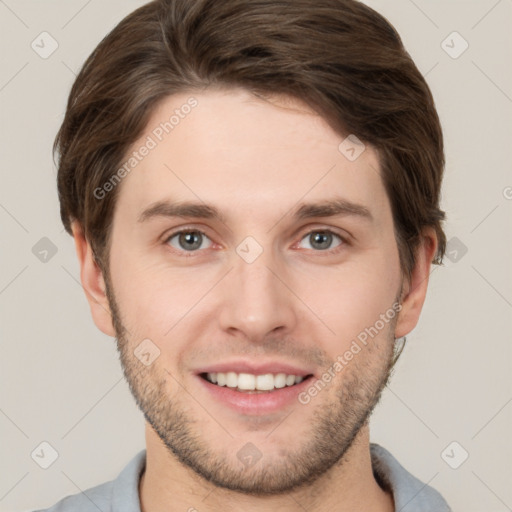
x=339, y=57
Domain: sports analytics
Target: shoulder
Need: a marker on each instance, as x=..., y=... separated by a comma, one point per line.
x=409, y=492
x=91, y=500
x=119, y=495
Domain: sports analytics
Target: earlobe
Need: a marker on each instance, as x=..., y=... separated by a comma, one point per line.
x=93, y=282
x=415, y=290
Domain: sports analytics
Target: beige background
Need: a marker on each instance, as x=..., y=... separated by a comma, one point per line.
x=61, y=381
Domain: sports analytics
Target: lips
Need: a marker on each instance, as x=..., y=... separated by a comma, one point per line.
x=255, y=368
x=254, y=388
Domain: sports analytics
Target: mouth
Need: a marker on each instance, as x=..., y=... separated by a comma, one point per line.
x=254, y=388
x=250, y=383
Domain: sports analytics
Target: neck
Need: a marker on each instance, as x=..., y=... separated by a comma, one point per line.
x=167, y=485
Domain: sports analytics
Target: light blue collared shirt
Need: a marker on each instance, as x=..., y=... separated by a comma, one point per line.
x=122, y=494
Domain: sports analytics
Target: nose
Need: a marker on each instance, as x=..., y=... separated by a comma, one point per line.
x=257, y=300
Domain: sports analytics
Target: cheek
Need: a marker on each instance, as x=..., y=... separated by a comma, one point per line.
x=352, y=298
x=156, y=301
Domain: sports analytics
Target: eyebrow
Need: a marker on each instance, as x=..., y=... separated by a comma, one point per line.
x=182, y=209
x=332, y=208
x=329, y=208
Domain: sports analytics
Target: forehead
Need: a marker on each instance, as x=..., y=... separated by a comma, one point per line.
x=241, y=153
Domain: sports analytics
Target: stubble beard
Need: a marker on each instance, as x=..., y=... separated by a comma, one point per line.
x=333, y=429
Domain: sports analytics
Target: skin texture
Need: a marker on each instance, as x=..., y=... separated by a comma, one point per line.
x=256, y=161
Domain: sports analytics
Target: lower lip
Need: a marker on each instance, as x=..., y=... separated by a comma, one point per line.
x=256, y=403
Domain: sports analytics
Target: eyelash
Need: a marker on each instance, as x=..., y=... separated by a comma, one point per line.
x=326, y=252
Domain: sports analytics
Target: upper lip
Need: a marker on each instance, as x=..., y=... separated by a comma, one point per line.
x=255, y=368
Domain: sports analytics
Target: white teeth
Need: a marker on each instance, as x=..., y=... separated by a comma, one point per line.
x=265, y=382
x=280, y=380
x=221, y=379
x=246, y=381
x=231, y=380
x=250, y=382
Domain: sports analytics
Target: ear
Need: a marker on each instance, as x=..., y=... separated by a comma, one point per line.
x=414, y=290
x=93, y=282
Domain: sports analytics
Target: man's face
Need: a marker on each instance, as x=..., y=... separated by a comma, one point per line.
x=257, y=296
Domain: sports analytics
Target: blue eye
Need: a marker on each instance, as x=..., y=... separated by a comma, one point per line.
x=322, y=240
x=190, y=241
